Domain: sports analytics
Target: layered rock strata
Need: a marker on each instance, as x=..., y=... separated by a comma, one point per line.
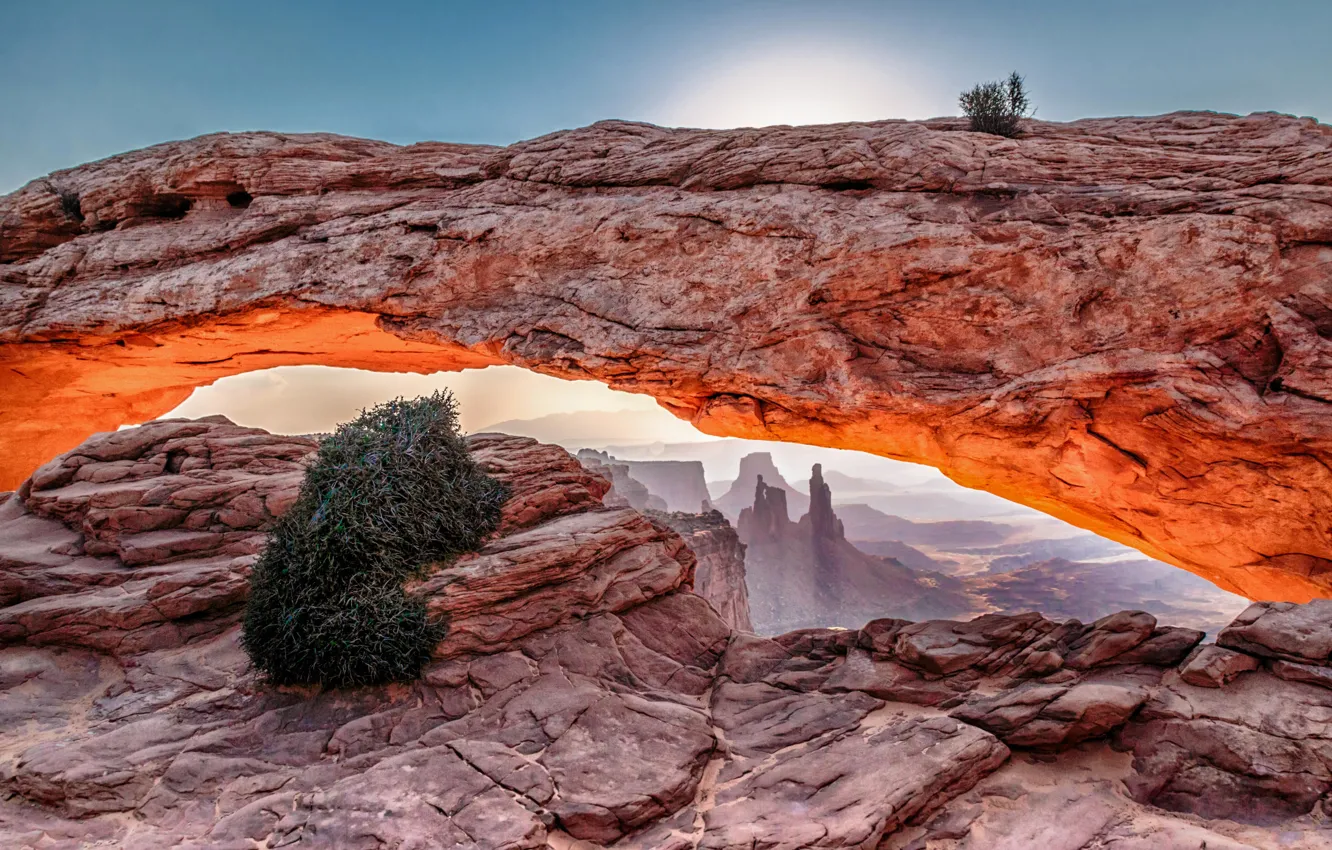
x=625, y=489
x=681, y=484
x=720, y=576
x=1124, y=322
x=614, y=707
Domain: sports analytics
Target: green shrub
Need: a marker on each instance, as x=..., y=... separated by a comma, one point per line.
x=997, y=107
x=387, y=495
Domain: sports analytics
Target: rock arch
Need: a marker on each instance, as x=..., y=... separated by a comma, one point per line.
x=1126, y=323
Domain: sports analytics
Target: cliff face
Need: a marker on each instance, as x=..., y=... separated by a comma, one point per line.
x=1123, y=322
x=681, y=484
x=720, y=576
x=674, y=485
x=625, y=488
x=583, y=691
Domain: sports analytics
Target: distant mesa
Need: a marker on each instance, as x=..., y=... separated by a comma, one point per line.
x=671, y=485
x=843, y=483
x=741, y=494
x=580, y=428
x=625, y=491
x=923, y=501
x=806, y=574
x=865, y=523
x=839, y=562
x=908, y=556
x=680, y=483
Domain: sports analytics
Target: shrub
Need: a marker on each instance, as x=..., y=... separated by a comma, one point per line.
x=70, y=204
x=997, y=107
x=386, y=496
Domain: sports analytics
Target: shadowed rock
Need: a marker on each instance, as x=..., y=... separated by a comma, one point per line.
x=720, y=575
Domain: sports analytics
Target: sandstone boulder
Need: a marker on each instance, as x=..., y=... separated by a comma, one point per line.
x=849, y=791
x=1300, y=633
x=1307, y=673
x=143, y=538
x=1214, y=666
x=1057, y=716
x=1258, y=750
x=1109, y=637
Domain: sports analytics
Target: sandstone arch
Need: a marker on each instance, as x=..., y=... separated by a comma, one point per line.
x=1126, y=323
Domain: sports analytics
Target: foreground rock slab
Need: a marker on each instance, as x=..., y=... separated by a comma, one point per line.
x=850, y=790
x=586, y=694
x=1125, y=322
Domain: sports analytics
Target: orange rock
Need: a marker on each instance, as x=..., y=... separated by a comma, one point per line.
x=1126, y=323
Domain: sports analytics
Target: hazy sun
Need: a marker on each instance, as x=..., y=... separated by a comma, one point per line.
x=785, y=84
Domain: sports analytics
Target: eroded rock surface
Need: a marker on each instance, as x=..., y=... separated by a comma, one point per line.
x=1124, y=322
x=143, y=538
x=720, y=576
x=586, y=694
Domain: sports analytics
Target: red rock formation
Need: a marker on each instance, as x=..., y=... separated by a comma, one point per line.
x=720, y=576
x=1123, y=322
x=142, y=538
x=589, y=695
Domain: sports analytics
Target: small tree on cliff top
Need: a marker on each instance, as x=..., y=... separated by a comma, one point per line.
x=386, y=496
x=997, y=107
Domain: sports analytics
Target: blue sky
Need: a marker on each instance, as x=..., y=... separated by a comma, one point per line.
x=84, y=80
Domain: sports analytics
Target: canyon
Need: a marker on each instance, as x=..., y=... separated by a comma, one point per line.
x=1124, y=322
x=842, y=563
x=586, y=696
x=805, y=573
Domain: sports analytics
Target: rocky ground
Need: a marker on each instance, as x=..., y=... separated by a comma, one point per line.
x=586, y=697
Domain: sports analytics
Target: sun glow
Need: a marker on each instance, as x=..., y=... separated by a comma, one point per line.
x=312, y=399
x=798, y=84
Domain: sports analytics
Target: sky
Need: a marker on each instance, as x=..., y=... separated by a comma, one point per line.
x=574, y=414
x=85, y=80
x=312, y=399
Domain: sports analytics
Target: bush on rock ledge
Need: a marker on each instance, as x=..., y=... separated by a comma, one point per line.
x=998, y=107
x=387, y=495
